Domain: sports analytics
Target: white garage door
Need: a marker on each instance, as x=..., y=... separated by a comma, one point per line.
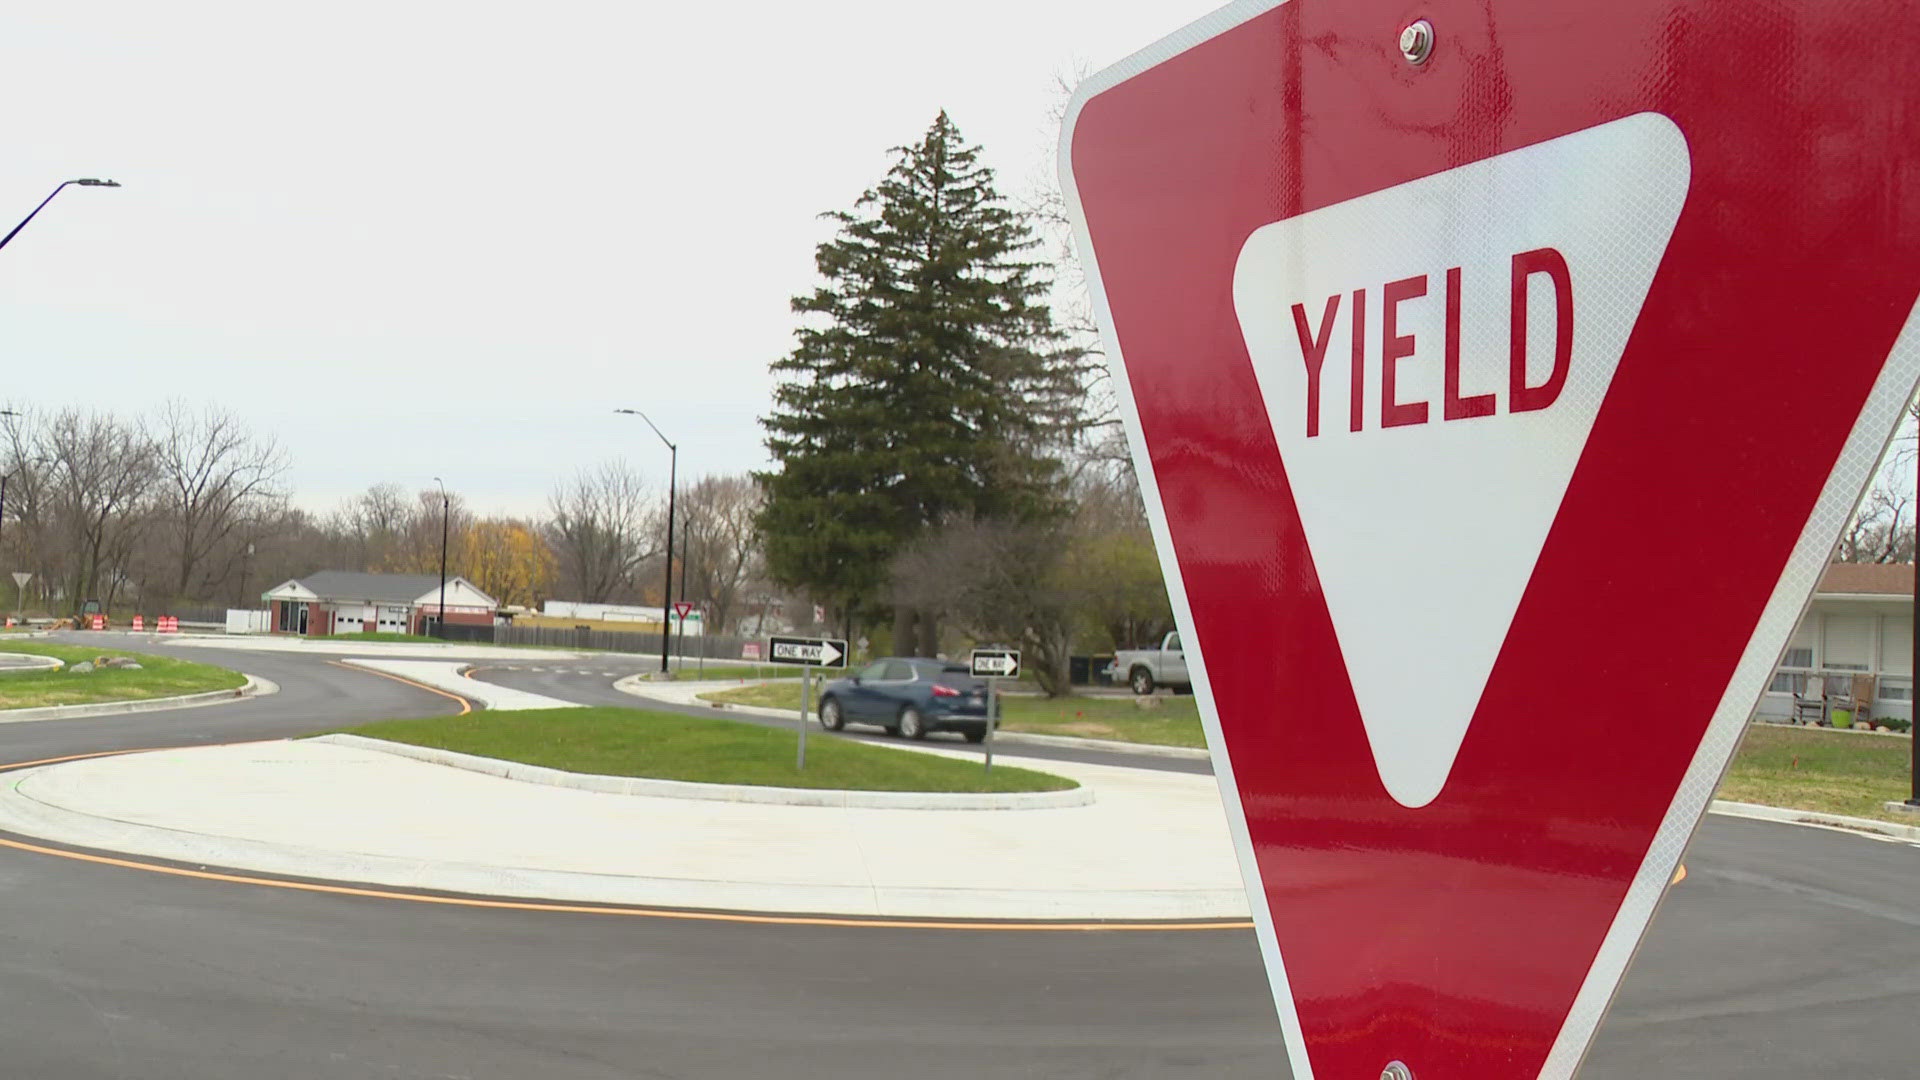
x=393, y=620
x=351, y=618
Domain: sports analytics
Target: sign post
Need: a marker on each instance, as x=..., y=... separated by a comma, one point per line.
x=1398, y=362
x=994, y=665
x=808, y=653
x=680, y=609
x=20, y=579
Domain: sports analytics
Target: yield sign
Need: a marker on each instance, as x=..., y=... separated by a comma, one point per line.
x=682, y=607
x=1446, y=380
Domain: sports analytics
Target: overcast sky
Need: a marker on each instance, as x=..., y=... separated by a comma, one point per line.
x=414, y=239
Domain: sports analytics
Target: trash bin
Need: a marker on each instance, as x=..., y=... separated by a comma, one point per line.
x=1842, y=717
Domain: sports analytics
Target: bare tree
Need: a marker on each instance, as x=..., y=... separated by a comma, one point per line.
x=217, y=481
x=101, y=481
x=600, y=528
x=1881, y=530
x=721, y=547
x=374, y=523
x=1002, y=582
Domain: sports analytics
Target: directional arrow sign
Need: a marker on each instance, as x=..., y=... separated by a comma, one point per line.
x=1449, y=359
x=820, y=652
x=996, y=663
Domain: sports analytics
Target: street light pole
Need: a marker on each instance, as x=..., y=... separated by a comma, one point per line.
x=87, y=182
x=442, y=628
x=673, y=468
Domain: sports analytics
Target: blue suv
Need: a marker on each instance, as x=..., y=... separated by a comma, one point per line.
x=908, y=696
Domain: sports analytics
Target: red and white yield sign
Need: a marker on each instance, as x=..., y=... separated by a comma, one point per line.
x=1498, y=396
x=682, y=608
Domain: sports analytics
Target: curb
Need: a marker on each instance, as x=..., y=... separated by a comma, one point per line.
x=1189, y=753
x=632, y=684
x=255, y=686
x=738, y=793
x=1816, y=819
x=47, y=663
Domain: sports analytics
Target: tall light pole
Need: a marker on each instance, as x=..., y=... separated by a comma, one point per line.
x=442, y=628
x=87, y=182
x=673, y=467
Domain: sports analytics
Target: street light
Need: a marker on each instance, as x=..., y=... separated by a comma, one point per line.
x=441, y=629
x=673, y=467
x=87, y=182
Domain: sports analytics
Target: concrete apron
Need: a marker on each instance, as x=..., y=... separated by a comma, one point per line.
x=1153, y=845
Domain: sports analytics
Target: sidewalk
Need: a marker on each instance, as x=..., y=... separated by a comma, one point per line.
x=1153, y=845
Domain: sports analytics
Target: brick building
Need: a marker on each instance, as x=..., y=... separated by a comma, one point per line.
x=348, y=602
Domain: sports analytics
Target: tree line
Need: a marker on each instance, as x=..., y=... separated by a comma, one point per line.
x=189, y=507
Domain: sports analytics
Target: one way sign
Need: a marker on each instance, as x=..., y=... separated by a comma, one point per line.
x=820, y=652
x=996, y=663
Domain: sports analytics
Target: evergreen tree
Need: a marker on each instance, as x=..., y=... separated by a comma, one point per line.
x=929, y=381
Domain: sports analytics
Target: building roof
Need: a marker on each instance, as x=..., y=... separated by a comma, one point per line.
x=374, y=588
x=1867, y=579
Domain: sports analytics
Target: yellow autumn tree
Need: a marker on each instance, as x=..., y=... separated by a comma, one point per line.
x=507, y=558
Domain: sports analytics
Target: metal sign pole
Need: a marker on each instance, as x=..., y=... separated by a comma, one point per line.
x=806, y=699
x=993, y=717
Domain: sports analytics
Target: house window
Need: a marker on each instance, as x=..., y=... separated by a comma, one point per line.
x=1786, y=681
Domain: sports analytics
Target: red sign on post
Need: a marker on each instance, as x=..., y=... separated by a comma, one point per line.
x=1449, y=356
x=682, y=608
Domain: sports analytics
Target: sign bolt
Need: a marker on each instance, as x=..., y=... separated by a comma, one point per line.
x=1416, y=44
x=1396, y=1070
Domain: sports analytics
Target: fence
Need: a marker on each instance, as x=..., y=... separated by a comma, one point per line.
x=710, y=646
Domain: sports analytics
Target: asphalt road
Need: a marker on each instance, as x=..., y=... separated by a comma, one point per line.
x=1786, y=953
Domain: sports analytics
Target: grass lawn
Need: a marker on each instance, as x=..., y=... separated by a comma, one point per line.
x=669, y=746
x=1175, y=721
x=159, y=676
x=691, y=673
x=1811, y=769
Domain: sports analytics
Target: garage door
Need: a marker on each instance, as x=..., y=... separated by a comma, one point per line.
x=393, y=620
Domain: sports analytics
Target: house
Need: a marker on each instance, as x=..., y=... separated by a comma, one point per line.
x=349, y=602
x=1859, y=622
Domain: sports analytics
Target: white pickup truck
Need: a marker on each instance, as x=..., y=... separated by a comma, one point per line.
x=1146, y=669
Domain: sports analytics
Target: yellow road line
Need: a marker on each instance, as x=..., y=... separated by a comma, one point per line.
x=465, y=705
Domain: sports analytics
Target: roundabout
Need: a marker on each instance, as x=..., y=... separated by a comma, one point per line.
x=1786, y=951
